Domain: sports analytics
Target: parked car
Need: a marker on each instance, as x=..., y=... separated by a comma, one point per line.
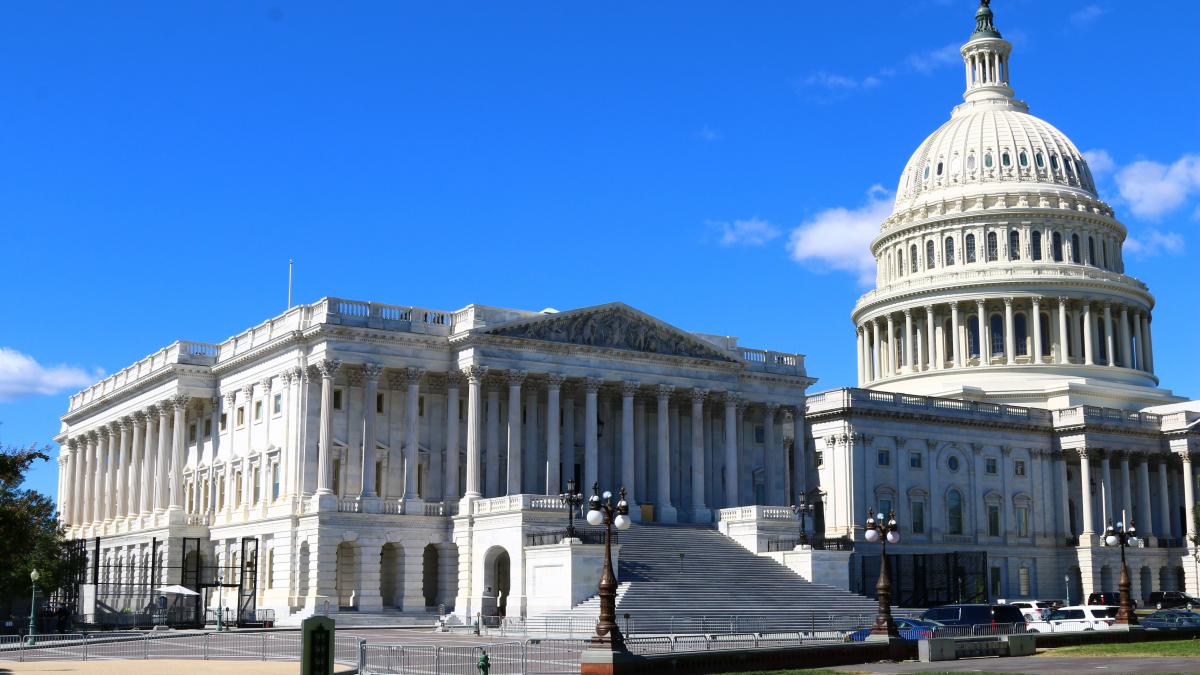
x=1034, y=610
x=909, y=629
x=1077, y=618
x=1172, y=599
x=1170, y=619
x=1108, y=598
x=974, y=615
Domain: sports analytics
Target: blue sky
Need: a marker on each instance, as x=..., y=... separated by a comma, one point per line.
x=162, y=161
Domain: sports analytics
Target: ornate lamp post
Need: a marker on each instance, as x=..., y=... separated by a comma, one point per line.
x=572, y=499
x=885, y=531
x=33, y=577
x=1122, y=536
x=802, y=508
x=220, y=600
x=602, y=511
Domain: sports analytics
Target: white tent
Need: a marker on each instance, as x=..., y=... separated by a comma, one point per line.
x=179, y=590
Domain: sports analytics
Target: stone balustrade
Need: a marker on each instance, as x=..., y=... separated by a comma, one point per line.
x=516, y=503
x=755, y=512
x=837, y=399
x=184, y=352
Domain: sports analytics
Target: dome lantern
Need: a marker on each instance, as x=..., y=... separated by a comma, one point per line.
x=985, y=56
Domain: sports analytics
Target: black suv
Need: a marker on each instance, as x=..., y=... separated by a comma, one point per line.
x=974, y=615
x=1111, y=598
x=1172, y=599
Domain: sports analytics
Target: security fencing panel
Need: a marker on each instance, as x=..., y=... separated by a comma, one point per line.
x=925, y=579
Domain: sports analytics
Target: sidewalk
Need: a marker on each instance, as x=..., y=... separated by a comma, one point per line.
x=153, y=667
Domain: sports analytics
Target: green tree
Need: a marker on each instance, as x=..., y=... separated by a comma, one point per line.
x=30, y=535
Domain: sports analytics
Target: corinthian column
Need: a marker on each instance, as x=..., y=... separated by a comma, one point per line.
x=411, y=420
x=121, y=487
x=1140, y=346
x=1010, y=339
x=135, y=482
x=1062, y=330
x=909, y=364
x=877, y=361
x=112, y=457
x=591, y=457
x=1088, y=331
x=628, y=475
x=1085, y=482
x=934, y=362
x=162, y=455
x=981, y=332
x=955, y=339
x=731, y=450
x=1037, y=329
x=475, y=375
x=371, y=373
x=146, y=475
x=515, y=379
x=1109, y=351
x=554, y=383
x=700, y=512
x=87, y=508
x=328, y=368
x=180, y=403
x=664, y=510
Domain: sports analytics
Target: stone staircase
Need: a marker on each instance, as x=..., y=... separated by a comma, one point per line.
x=717, y=587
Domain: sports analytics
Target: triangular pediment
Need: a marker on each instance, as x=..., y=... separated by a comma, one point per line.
x=613, y=326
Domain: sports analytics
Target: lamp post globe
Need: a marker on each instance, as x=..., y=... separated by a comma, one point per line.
x=1122, y=536
x=884, y=530
x=33, y=578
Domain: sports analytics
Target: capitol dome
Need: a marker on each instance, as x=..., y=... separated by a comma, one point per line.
x=1000, y=273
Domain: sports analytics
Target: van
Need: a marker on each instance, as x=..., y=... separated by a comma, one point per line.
x=974, y=615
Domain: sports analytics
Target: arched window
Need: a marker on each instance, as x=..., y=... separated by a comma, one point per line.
x=1054, y=162
x=1091, y=251
x=900, y=263
x=929, y=255
x=939, y=168
x=1044, y=319
x=1104, y=252
x=1035, y=245
x=992, y=252
x=1005, y=160
x=949, y=250
x=927, y=171
x=1021, y=329
x=1056, y=247
x=1101, y=338
x=1023, y=159
x=971, y=162
x=970, y=248
x=948, y=339
x=1014, y=245
x=987, y=160
x=912, y=258
x=954, y=512
x=997, y=331
x=973, y=336
x=1075, y=251
x=1041, y=163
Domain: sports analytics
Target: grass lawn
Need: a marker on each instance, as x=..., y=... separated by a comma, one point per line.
x=1164, y=648
x=823, y=671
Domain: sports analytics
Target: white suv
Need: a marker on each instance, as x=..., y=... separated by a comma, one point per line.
x=1076, y=618
x=1033, y=610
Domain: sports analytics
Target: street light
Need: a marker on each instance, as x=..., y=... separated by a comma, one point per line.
x=572, y=499
x=803, y=507
x=885, y=531
x=1122, y=536
x=220, y=599
x=601, y=511
x=33, y=577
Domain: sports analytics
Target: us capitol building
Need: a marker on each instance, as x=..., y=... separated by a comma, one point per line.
x=367, y=456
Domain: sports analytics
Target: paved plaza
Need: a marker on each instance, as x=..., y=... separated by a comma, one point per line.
x=1042, y=663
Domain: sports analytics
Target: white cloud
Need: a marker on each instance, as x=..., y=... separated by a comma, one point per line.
x=1087, y=14
x=752, y=232
x=837, y=82
x=839, y=238
x=1152, y=188
x=1154, y=242
x=1100, y=162
x=929, y=61
x=923, y=62
x=21, y=375
x=708, y=134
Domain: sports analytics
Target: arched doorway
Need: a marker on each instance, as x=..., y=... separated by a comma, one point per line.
x=1075, y=587
x=429, y=573
x=391, y=567
x=496, y=582
x=1147, y=579
x=346, y=576
x=1106, y=579
x=1165, y=582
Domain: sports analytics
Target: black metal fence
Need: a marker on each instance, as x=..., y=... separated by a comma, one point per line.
x=587, y=536
x=818, y=543
x=925, y=580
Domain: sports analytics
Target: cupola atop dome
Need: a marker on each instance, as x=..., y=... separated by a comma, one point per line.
x=986, y=58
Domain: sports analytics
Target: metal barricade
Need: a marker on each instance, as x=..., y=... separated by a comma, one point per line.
x=553, y=656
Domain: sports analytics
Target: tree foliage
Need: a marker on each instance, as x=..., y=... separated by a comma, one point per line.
x=30, y=535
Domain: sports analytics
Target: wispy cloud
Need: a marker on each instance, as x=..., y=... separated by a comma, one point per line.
x=21, y=375
x=1100, y=162
x=834, y=81
x=752, y=232
x=835, y=85
x=839, y=238
x=708, y=134
x=927, y=62
x=1087, y=15
x=1154, y=242
x=1153, y=189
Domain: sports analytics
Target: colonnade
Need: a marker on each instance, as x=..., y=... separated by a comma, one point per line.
x=939, y=336
x=1151, y=515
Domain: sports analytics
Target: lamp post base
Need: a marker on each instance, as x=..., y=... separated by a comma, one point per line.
x=601, y=659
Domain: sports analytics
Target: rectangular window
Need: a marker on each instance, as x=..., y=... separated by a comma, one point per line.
x=1019, y=467
x=760, y=434
x=885, y=458
x=819, y=458
x=275, y=481
x=1022, y=521
x=257, y=489
x=221, y=494
x=270, y=568
x=379, y=478
x=192, y=433
x=224, y=422
x=420, y=406
x=277, y=404
x=240, y=416
x=995, y=582
x=990, y=465
x=462, y=407
x=1023, y=585
x=208, y=427
x=993, y=516
x=337, y=399
x=918, y=517
x=915, y=461
x=258, y=411
x=378, y=403
x=337, y=473
x=237, y=490
x=885, y=506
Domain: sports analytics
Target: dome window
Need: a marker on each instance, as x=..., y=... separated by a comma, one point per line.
x=1054, y=162
x=1023, y=159
x=927, y=171
x=955, y=165
x=987, y=160
x=971, y=162
x=992, y=249
x=1035, y=245
x=912, y=258
x=970, y=248
x=939, y=168
x=949, y=250
x=929, y=255
x=1005, y=160
x=1039, y=160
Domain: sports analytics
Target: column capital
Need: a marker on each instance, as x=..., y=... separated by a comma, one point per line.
x=1185, y=456
x=180, y=402
x=1108, y=305
x=102, y=433
x=72, y=443
x=929, y=308
x=1084, y=454
x=771, y=407
x=732, y=399
x=1008, y=301
x=285, y=376
x=413, y=375
x=139, y=417
x=907, y=312
x=1035, y=299
x=454, y=379
x=230, y=397
x=555, y=380
x=123, y=424
x=592, y=384
x=1063, y=300
x=475, y=374
x=328, y=367
x=248, y=390
x=516, y=377
x=629, y=388
x=698, y=395
x=265, y=384
x=372, y=371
